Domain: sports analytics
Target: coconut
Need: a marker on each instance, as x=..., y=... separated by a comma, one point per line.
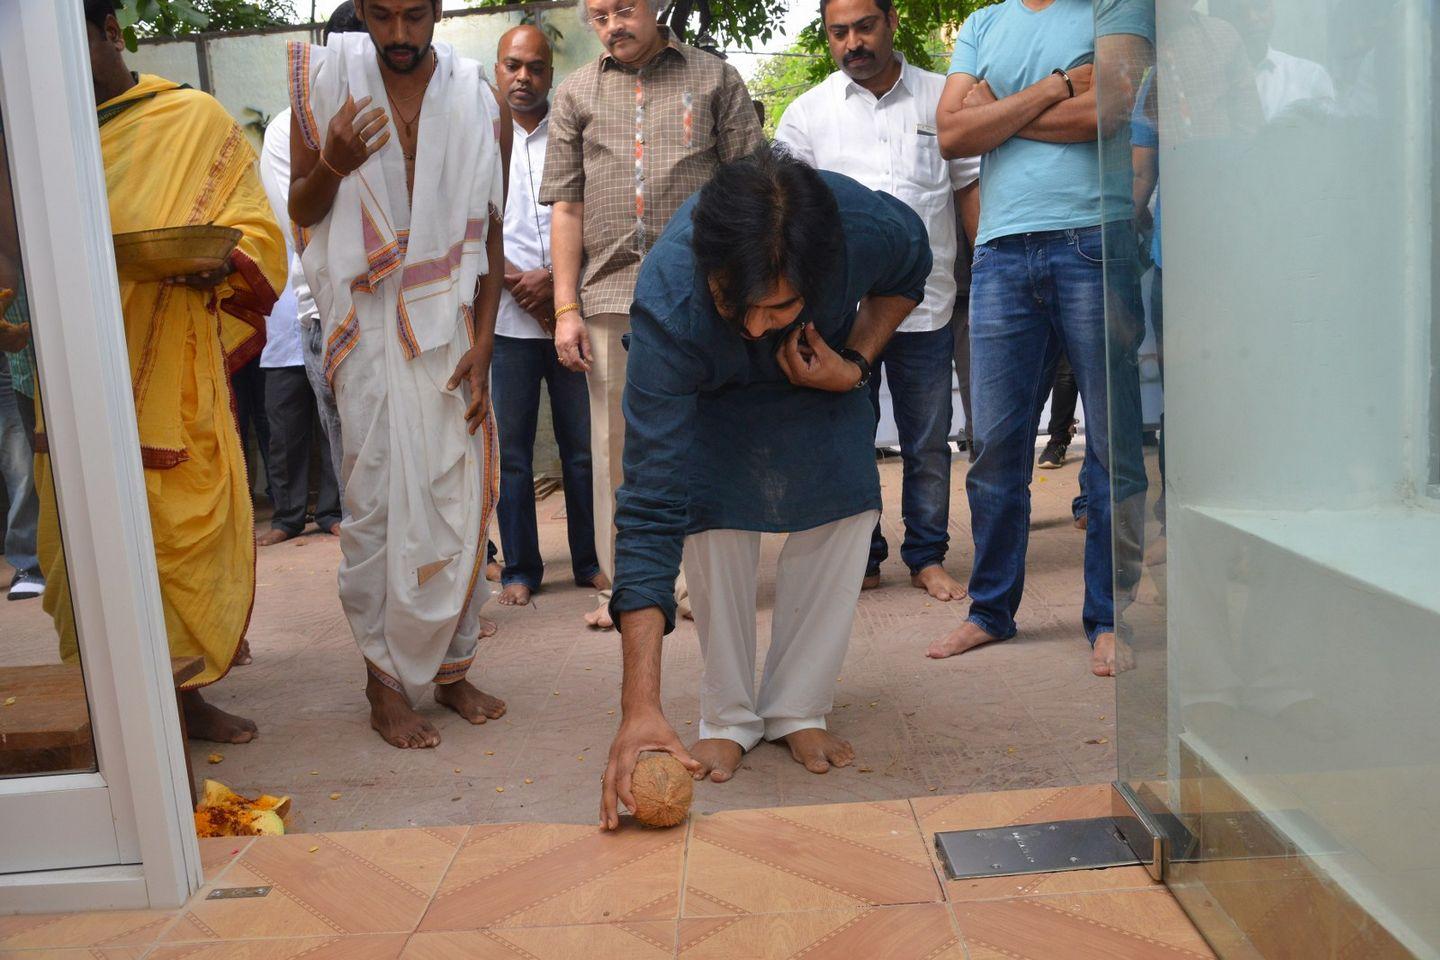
x=662, y=788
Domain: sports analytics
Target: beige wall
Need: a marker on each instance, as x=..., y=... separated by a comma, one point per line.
x=247, y=72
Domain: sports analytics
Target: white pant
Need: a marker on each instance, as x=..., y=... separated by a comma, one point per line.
x=817, y=583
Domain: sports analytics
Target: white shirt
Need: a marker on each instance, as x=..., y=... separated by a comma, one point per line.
x=527, y=225
x=296, y=306
x=1284, y=80
x=889, y=144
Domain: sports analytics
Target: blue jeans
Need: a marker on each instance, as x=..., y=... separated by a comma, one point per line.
x=918, y=368
x=17, y=472
x=516, y=372
x=1032, y=297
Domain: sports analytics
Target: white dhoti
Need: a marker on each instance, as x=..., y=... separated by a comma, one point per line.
x=395, y=288
x=817, y=585
x=419, y=493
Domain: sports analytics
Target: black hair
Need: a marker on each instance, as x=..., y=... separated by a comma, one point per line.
x=343, y=20
x=97, y=10
x=766, y=216
x=884, y=6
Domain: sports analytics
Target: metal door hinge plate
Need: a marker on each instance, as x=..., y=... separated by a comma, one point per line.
x=237, y=893
x=1033, y=848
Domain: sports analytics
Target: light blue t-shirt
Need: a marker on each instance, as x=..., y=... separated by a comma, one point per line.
x=1025, y=185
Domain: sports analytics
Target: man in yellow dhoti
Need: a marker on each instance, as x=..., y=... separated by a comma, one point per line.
x=174, y=157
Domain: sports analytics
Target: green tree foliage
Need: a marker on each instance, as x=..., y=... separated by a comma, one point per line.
x=174, y=18
x=925, y=33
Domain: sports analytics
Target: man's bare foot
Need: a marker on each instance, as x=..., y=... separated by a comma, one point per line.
x=1082, y=521
x=1111, y=656
x=600, y=582
x=939, y=584
x=1155, y=552
x=818, y=750
x=599, y=618
x=514, y=595
x=871, y=581
x=205, y=721
x=333, y=530
x=493, y=571
x=469, y=701
x=242, y=655
x=965, y=637
x=395, y=720
x=271, y=537
x=718, y=759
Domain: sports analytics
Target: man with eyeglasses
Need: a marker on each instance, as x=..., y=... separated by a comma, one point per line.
x=632, y=135
x=524, y=351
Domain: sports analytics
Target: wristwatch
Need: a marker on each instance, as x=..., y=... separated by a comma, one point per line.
x=857, y=358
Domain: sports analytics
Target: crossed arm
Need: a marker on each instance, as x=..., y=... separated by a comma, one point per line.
x=972, y=121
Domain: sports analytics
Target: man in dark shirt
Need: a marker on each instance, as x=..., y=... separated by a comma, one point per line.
x=746, y=413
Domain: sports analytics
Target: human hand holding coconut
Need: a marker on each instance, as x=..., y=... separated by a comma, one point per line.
x=643, y=727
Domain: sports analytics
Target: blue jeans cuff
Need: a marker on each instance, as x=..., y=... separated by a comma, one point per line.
x=990, y=628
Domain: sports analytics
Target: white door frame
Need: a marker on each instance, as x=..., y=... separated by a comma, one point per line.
x=141, y=785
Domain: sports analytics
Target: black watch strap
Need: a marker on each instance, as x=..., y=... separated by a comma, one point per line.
x=857, y=358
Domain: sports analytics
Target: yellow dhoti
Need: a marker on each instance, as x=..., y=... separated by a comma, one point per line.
x=173, y=157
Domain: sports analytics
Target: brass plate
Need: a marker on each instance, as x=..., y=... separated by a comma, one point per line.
x=149, y=256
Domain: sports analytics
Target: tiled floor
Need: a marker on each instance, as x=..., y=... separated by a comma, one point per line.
x=837, y=882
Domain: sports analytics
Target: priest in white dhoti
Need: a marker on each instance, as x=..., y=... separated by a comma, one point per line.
x=398, y=183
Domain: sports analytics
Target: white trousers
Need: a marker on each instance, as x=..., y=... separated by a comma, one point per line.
x=817, y=584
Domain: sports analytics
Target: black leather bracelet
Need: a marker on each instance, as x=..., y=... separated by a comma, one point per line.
x=1066, y=77
x=857, y=358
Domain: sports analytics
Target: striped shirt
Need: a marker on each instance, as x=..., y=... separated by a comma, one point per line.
x=633, y=145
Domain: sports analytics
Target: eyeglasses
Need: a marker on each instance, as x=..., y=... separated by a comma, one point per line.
x=601, y=19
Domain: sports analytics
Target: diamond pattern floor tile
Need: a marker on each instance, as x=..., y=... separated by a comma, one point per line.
x=606, y=941
x=104, y=929
x=910, y=932
x=807, y=858
x=382, y=947
x=1126, y=925
x=83, y=953
x=327, y=885
x=533, y=874
x=1014, y=807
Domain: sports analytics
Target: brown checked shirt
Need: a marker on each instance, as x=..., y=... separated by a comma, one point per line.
x=633, y=146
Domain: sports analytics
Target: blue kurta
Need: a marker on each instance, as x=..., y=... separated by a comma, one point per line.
x=715, y=436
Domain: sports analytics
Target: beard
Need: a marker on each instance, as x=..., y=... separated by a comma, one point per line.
x=417, y=57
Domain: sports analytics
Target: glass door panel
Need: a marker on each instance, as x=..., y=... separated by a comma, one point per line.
x=44, y=716
x=1272, y=404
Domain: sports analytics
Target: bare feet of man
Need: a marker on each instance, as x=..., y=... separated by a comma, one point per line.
x=333, y=530
x=271, y=537
x=395, y=720
x=469, y=701
x=939, y=584
x=718, y=759
x=599, y=618
x=488, y=628
x=965, y=637
x=871, y=581
x=492, y=572
x=818, y=750
x=205, y=721
x=600, y=582
x=1111, y=656
x=242, y=654
x=514, y=595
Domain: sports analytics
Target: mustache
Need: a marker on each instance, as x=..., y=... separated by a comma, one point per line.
x=856, y=55
x=402, y=48
x=619, y=35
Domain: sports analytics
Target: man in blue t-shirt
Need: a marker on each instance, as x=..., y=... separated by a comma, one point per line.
x=1021, y=93
x=747, y=412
